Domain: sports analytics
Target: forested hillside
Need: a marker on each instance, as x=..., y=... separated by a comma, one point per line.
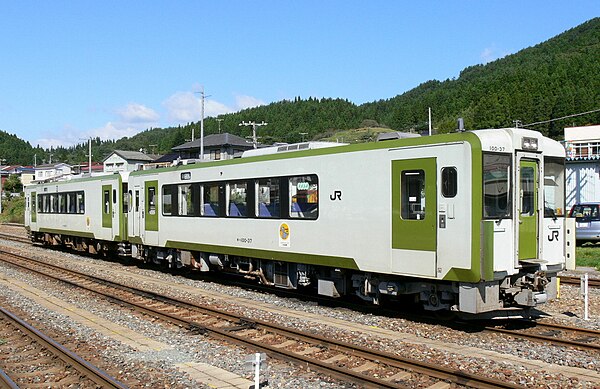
x=553, y=79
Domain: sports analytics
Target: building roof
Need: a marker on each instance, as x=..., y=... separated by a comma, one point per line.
x=216, y=140
x=130, y=156
x=52, y=166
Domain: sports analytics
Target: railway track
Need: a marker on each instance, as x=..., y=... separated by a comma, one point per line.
x=340, y=360
x=593, y=282
x=15, y=238
x=35, y=360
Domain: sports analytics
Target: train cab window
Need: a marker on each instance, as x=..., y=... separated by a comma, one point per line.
x=210, y=200
x=268, y=204
x=304, y=197
x=496, y=186
x=238, y=199
x=412, y=183
x=449, y=182
x=554, y=187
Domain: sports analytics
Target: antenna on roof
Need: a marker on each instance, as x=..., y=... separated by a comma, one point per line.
x=461, y=125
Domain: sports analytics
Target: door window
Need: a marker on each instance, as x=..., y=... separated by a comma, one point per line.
x=413, y=195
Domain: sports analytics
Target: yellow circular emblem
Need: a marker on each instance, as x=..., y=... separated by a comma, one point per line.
x=284, y=231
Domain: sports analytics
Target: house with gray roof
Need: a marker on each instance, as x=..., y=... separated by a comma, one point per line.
x=216, y=147
x=125, y=161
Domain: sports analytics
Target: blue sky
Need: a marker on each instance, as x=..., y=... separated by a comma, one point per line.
x=74, y=69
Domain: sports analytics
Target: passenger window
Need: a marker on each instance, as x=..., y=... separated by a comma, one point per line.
x=304, y=197
x=449, y=182
x=62, y=203
x=72, y=202
x=238, y=204
x=185, y=199
x=211, y=200
x=81, y=202
x=167, y=207
x=268, y=203
x=412, y=184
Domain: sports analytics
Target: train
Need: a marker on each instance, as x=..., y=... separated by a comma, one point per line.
x=472, y=223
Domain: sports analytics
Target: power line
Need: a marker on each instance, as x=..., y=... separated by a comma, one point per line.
x=564, y=117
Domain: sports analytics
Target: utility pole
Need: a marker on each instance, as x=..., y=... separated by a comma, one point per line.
x=303, y=134
x=34, y=160
x=429, y=121
x=254, y=125
x=153, y=147
x=90, y=155
x=219, y=121
x=202, y=98
x=1, y=160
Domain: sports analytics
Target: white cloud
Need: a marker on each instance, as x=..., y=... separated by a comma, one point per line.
x=113, y=131
x=184, y=107
x=492, y=53
x=243, y=102
x=137, y=113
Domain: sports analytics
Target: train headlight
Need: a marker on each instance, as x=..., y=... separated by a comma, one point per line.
x=529, y=144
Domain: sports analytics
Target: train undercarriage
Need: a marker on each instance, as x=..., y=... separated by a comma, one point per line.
x=508, y=297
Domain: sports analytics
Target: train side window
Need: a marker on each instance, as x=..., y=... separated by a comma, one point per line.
x=62, y=203
x=412, y=184
x=167, y=201
x=268, y=204
x=72, y=202
x=210, y=200
x=304, y=197
x=81, y=202
x=53, y=203
x=114, y=196
x=238, y=199
x=449, y=182
x=41, y=201
x=186, y=193
x=137, y=200
x=151, y=200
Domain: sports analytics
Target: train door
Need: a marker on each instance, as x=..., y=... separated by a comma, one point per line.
x=107, y=208
x=414, y=216
x=33, y=210
x=137, y=219
x=528, y=208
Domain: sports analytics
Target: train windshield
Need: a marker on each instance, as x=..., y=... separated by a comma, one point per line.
x=496, y=186
x=554, y=187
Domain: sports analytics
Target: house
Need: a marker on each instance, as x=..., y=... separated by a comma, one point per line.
x=52, y=171
x=582, y=165
x=125, y=161
x=216, y=147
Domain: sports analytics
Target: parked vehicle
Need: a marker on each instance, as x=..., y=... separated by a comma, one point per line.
x=587, y=224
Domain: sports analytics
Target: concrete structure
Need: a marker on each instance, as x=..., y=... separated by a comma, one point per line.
x=125, y=161
x=216, y=147
x=583, y=164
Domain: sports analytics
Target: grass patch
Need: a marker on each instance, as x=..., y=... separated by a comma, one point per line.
x=13, y=210
x=588, y=255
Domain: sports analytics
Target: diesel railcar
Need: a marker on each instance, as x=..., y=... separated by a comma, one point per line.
x=471, y=222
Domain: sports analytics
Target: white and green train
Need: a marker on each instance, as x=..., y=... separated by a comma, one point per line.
x=471, y=222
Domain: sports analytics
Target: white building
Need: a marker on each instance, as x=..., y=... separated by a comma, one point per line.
x=583, y=164
x=125, y=161
x=52, y=171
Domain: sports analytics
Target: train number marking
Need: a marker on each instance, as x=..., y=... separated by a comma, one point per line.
x=337, y=195
x=553, y=236
x=244, y=240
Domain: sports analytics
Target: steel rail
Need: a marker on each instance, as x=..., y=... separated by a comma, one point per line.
x=388, y=359
x=6, y=382
x=572, y=280
x=92, y=372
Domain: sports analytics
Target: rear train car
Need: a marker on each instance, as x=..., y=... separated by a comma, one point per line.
x=85, y=214
x=469, y=222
